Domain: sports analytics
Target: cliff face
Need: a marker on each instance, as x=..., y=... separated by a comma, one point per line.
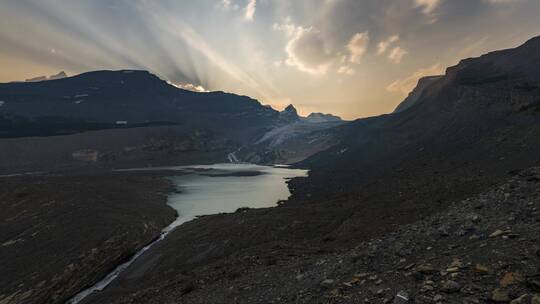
x=473, y=99
x=416, y=94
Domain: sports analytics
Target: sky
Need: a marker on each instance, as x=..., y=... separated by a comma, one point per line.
x=352, y=58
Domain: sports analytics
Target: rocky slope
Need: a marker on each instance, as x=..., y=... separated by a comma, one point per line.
x=484, y=249
x=59, y=234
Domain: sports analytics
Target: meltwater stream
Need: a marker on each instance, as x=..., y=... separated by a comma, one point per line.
x=212, y=189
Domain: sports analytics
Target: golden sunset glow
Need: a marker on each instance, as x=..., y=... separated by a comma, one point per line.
x=347, y=57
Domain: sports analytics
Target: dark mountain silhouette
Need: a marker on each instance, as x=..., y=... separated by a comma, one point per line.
x=133, y=97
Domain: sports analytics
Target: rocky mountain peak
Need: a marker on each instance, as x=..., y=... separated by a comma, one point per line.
x=289, y=115
x=321, y=118
x=60, y=75
x=290, y=109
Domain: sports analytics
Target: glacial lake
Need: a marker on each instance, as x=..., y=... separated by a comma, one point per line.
x=223, y=188
x=211, y=189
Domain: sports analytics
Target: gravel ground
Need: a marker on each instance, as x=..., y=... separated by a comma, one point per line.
x=484, y=249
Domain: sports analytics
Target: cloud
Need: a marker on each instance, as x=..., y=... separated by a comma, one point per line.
x=306, y=48
x=225, y=4
x=500, y=1
x=346, y=70
x=385, y=44
x=427, y=6
x=357, y=46
x=249, y=10
x=406, y=85
x=396, y=54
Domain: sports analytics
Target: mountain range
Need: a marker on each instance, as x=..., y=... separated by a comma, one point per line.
x=108, y=105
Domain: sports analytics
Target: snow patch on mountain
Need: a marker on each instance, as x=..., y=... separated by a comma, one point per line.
x=60, y=75
x=321, y=117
